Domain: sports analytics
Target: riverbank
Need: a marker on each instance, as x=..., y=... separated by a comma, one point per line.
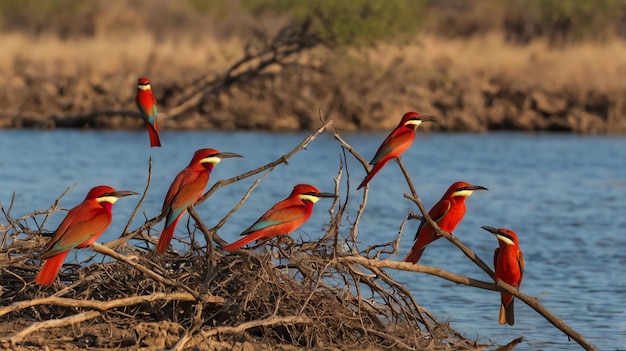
x=473, y=85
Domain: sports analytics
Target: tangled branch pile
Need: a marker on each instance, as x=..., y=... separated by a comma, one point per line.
x=288, y=296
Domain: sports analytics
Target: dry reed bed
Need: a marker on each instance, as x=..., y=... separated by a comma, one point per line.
x=478, y=84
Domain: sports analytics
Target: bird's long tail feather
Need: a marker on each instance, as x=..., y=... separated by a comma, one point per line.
x=414, y=255
x=377, y=167
x=154, y=135
x=166, y=236
x=241, y=242
x=50, y=269
x=506, y=313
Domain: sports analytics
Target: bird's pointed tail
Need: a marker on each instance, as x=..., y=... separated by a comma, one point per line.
x=377, y=167
x=241, y=242
x=166, y=236
x=506, y=312
x=414, y=255
x=154, y=135
x=50, y=269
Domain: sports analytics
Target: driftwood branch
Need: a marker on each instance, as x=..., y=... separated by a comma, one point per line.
x=102, y=305
x=54, y=323
x=274, y=320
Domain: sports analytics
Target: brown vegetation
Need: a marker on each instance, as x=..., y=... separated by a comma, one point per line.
x=483, y=80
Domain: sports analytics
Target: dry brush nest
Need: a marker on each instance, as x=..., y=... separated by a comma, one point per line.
x=325, y=294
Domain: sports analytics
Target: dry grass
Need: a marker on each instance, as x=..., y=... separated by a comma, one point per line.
x=589, y=64
x=593, y=65
x=475, y=84
x=102, y=56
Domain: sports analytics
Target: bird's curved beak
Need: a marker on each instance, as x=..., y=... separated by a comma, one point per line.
x=322, y=194
x=227, y=155
x=122, y=193
x=427, y=118
x=473, y=188
x=491, y=230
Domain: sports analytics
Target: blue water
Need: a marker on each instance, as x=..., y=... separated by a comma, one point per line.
x=564, y=195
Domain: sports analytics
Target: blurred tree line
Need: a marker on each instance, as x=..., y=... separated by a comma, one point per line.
x=341, y=22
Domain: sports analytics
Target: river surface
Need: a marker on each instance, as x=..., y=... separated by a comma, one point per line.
x=564, y=195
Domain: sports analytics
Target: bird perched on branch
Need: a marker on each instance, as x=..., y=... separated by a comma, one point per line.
x=81, y=227
x=186, y=189
x=284, y=217
x=508, y=262
x=396, y=143
x=146, y=103
x=447, y=213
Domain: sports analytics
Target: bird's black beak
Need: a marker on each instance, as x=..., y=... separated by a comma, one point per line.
x=473, y=188
x=322, y=194
x=427, y=118
x=122, y=193
x=227, y=155
x=491, y=230
x=504, y=237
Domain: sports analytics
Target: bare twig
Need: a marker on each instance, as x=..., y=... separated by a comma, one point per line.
x=55, y=323
x=103, y=305
x=143, y=196
x=409, y=267
x=288, y=320
x=107, y=251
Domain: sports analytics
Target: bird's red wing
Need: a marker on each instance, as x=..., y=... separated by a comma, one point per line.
x=278, y=216
x=438, y=211
x=190, y=190
x=184, y=189
x=396, y=139
x=78, y=228
x=520, y=261
x=496, y=252
x=147, y=104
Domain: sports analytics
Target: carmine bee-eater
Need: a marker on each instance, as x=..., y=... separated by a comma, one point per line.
x=508, y=262
x=396, y=143
x=81, y=227
x=186, y=189
x=447, y=213
x=146, y=103
x=285, y=217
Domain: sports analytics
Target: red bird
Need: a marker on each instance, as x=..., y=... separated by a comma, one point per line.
x=508, y=261
x=81, y=227
x=285, y=217
x=447, y=213
x=146, y=103
x=186, y=189
x=396, y=143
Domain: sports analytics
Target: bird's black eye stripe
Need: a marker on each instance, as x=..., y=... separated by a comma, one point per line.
x=505, y=235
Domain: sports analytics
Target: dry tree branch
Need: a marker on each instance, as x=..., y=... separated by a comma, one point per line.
x=283, y=159
x=55, y=323
x=143, y=196
x=103, y=305
x=440, y=232
x=410, y=267
x=366, y=166
x=291, y=40
x=274, y=320
x=530, y=301
x=534, y=303
x=109, y=252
